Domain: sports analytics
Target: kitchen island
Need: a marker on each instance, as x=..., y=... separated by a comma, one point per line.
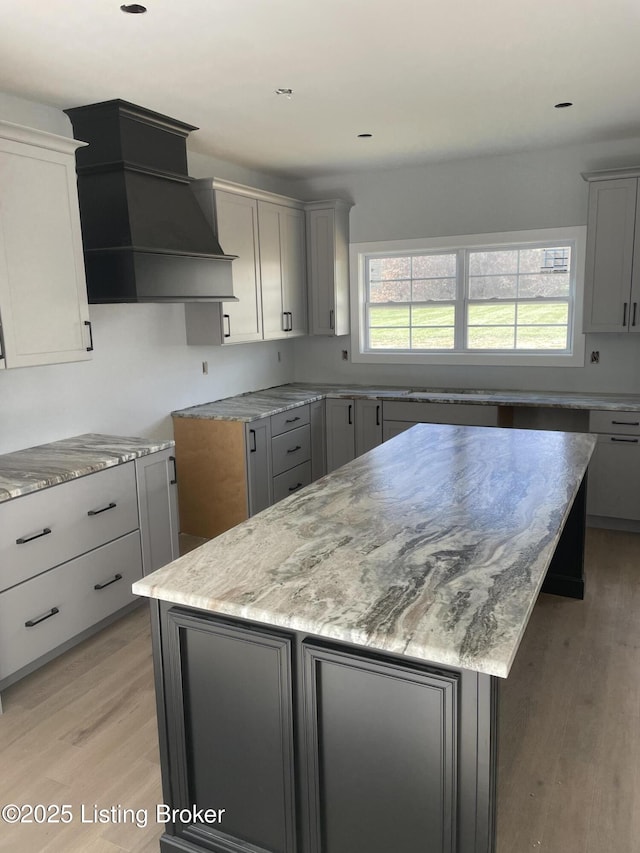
x=327, y=671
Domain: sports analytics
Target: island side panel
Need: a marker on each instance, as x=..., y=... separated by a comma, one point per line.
x=565, y=575
x=212, y=477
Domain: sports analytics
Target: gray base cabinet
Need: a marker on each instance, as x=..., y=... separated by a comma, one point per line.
x=259, y=471
x=341, y=432
x=318, y=747
x=156, y=478
x=614, y=470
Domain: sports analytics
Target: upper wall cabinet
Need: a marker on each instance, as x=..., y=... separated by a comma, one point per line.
x=328, y=266
x=612, y=279
x=266, y=232
x=44, y=314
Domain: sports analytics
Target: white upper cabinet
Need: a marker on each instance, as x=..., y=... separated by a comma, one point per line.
x=328, y=266
x=282, y=270
x=612, y=279
x=44, y=314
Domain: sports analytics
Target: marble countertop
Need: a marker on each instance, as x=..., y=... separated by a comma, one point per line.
x=47, y=465
x=261, y=404
x=433, y=545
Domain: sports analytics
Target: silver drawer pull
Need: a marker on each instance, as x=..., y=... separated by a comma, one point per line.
x=626, y=423
x=104, y=509
x=24, y=539
x=115, y=578
x=295, y=488
x=626, y=440
x=40, y=619
x=292, y=420
x=293, y=449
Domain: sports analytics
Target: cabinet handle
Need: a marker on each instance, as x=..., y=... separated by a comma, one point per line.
x=288, y=324
x=625, y=440
x=332, y=319
x=378, y=415
x=294, y=449
x=285, y=324
x=626, y=423
x=292, y=420
x=226, y=317
x=624, y=314
x=24, y=539
x=175, y=471
x=90, y=347
x=1, y=345
x=295, y=488
x=350, y=414
x=104, y=509
x=252, y=433
x=115, y=578
x=32, y=622
x=635, y=308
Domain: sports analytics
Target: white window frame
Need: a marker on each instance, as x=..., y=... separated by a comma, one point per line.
x=574, y=357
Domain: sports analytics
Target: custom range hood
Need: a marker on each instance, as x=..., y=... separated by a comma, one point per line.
x=145, y=236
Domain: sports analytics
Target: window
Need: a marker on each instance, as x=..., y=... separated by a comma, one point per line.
x=485, y=301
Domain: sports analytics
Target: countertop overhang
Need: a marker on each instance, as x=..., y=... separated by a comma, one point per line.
x=434, y=545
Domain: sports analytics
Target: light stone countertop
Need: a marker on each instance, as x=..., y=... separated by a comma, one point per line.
x=45, y=465
x=261, y=404
x=433, y=545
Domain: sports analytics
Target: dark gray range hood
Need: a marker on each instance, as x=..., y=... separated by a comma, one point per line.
x=145, y=236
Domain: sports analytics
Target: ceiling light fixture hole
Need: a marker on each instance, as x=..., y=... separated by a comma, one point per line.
x=286, y=92
x=365, y=135
x=133, y=8
x=563, y=104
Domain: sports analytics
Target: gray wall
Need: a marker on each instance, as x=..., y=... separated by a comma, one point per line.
x=502, y=193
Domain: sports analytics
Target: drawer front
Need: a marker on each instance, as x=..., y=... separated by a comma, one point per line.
x=69, y=589
x=291, y=481
x=441, y=413
x=291, y=419
x=49, y=527
x=622, y=423
x=290, y=449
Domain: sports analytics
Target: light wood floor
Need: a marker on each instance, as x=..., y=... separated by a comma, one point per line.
x=82, y=729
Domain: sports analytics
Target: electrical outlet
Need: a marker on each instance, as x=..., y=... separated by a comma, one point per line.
x=595, y=356
x=205, y=367
x=345, y=355
x=279, y=356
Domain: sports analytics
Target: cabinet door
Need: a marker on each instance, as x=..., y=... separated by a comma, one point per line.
x=341, y=433
x=610, y=236
x=231, y=743
x=614, y=474
x=318, y=440
x=368, y=425
x=269, y=225
x=258, y=450
x=237, y=229
x=158, y=509
x=328, y=248
x=294, y=271
x=381, y=768
x=43, y=297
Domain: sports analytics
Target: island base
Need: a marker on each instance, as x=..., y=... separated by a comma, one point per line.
x=299, y=745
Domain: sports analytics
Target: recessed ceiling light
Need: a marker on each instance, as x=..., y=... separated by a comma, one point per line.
x=365, y=135
x=287, y=92
x=133, y=8
x=563, y=104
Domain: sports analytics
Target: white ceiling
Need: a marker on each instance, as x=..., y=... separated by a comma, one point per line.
x=430, y=80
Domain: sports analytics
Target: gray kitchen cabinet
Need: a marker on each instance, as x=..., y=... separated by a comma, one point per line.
x=318, y=440
x=234, y=219
x=70, y=553
x=328, y=266
x=368, y=425
x=259, y=471
x=403, y=414
x=612, y=279
x=156, y=478
x=341, y=432
x=282, y=269
x=614, y=471
x=44, y=315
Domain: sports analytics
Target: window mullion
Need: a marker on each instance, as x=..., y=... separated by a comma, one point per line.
x=462, y=290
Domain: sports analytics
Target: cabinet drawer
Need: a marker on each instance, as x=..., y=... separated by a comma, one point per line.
x=291, y=419
x=70, y=590
x=623, y=423
x=291, y=481
x=441, y=413
x=290, y=449
x=49, y=527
